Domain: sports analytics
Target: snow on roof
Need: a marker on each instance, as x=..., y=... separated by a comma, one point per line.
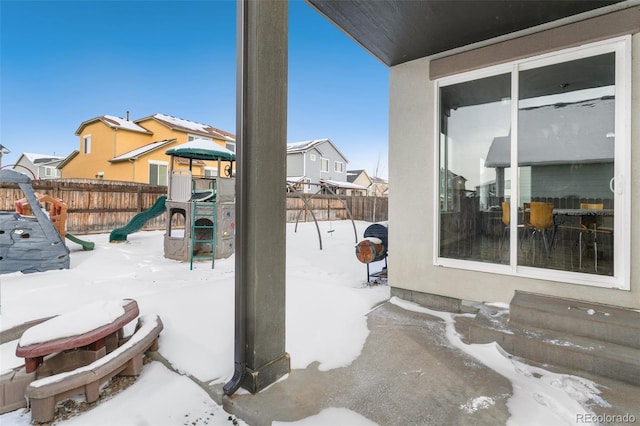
x=304, y=146
x=114, y=122
x=202, y=149
x=41, y=158
x=142, y=150
x=191, y=126
x=295, y=179
x=341, y=184
x=122, y=123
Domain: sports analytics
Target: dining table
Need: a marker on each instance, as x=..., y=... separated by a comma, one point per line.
x=582, y=212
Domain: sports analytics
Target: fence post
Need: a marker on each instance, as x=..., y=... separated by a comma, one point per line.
x=139, y=190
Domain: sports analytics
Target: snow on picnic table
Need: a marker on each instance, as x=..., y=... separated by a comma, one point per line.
x=80, y=321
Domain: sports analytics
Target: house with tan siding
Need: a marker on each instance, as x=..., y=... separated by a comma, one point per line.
x=115, y=148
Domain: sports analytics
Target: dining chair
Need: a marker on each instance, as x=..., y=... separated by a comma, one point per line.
x=506, y=221
x=541, y=221
x=591, y=226
x=526, y=222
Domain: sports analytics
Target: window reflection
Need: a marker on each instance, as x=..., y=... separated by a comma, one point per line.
x=566, y=150
x=566, y=119
x=473, y=115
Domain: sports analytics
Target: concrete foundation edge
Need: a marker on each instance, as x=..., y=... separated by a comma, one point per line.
x=434, y=301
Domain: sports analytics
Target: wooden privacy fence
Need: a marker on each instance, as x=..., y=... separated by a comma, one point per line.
x=101, y=206
x=94, y=205
x=370, y=209
x=328, y=207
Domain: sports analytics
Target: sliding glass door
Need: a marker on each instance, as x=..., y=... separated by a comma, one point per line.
x=531, y=158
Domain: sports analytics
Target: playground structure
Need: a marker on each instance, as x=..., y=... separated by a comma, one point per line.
x=32, y=237
x=30, y=243
x=200, y=209
x=138, y=221
x=322, y=187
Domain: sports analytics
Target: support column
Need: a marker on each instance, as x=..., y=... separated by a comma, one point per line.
x=260, y=357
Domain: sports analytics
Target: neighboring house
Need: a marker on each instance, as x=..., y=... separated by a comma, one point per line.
x=379, y=187
x=310, y=163
x=536, y=106
x=115, y=148
x=359, y=177
x=41, y=166
x=375, y=186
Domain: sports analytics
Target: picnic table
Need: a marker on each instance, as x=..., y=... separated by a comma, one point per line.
x=87, y=328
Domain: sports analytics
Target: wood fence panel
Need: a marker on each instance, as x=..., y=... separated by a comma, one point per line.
x=370, y=209
x=94, y=205
x=101, y=206
x=328, y=207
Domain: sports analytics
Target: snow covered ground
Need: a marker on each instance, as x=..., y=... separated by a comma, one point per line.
x=196, y=308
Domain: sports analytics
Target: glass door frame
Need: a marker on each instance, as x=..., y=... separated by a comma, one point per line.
x=622, y=166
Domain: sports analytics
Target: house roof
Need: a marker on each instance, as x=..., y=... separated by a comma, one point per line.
x=352, y=175
x=190, y=127
x=398, y=31
x=41, y=159
x=113, y=122
x=342, y=184
x=295, y=179
x=304, y=146
x=138, y=152
x=544, y=139
x=68, y=158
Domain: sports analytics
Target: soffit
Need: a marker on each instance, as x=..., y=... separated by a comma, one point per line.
x=397, y=31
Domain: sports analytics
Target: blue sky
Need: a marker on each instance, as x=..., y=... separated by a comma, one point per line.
x=64, y=62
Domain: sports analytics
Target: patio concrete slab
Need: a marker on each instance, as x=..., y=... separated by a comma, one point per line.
x=408, y=374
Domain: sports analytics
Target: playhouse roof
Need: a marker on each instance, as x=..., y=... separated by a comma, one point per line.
x=202, y=149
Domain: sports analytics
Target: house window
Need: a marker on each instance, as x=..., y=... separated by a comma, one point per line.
x=338, y=166
x=531, y=161
x=231, y=146
x=51, y=172
x=211, y=171
x=157, y=173
x=86, y=144
x=324, y=164
x=192, y=137
x=312, y=157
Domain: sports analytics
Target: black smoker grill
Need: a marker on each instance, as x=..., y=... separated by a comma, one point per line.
x=374, y=247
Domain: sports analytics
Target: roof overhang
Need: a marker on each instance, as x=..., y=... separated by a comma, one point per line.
x=68, y=159
x=398, y=31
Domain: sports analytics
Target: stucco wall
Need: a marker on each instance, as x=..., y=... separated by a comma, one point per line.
x=411, y=237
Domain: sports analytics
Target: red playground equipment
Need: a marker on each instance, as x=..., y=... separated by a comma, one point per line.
x=57, y=212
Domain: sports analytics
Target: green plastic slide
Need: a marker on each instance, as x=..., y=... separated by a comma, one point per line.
x=86, y=245
x=138, y=221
